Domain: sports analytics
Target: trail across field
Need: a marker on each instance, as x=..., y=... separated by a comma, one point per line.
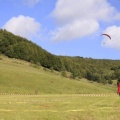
x=60, y=107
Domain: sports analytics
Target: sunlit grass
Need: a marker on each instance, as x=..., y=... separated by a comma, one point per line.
x=51, y=96
x=59, y=107
x=17, y=76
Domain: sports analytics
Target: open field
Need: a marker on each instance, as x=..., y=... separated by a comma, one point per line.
x=60, y=107
x=29, y=92
x=20, y=77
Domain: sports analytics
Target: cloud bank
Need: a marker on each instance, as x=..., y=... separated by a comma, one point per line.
x=79, y=18
x=23, y=26
x=114, y=32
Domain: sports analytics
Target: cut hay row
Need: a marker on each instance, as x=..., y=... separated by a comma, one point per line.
x=92, y=95
x=109, y=94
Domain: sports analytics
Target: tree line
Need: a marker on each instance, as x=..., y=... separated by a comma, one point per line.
x=98, y=70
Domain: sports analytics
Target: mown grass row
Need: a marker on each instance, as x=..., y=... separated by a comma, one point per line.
x=59, y=107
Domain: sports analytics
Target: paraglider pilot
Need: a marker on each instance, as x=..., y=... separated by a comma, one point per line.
x=118, y=85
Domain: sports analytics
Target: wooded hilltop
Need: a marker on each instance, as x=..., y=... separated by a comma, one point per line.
x=98, y=70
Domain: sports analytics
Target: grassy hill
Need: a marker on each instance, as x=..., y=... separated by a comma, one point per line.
x=99, y=70
x=21, y=77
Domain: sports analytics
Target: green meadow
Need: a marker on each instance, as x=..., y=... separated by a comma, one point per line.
x=20, y=77
x=59, y=107
x=29, y=92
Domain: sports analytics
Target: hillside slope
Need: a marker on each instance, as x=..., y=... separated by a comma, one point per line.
x=97, y=70
x=17, y=76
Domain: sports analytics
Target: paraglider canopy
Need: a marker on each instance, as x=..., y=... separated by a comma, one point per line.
x=107, y=35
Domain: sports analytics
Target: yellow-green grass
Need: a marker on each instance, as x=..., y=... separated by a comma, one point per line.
x=19, y=77
x=59, y=107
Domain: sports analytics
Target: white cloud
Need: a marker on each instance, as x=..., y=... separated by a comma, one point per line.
x=113, y=31
x=31, y=2
x=117, y=16
x=23, y=26
x=87, y=13
x=73, y=30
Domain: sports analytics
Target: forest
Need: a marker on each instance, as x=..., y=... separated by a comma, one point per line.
x=75, y=67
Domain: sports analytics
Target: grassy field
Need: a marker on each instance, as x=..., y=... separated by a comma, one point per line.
x=33, y=93
x=59, y=107
x=20, y=77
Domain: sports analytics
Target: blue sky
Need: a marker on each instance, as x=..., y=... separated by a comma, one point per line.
x=66, y=27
